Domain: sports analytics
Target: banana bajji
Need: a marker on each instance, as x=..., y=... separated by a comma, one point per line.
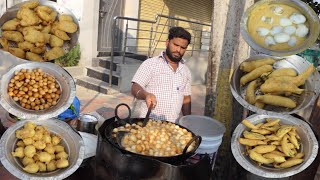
x=255, y=74
x=26, y=45
x=277, y=100
x=280, y=87
x=34, y=36
x=251, y=92
x=30, y=4
x=28, y=17
x=283, y=72
x=4, y=43
x=65, y=17
x=55, y=41
x=53, y=53
x=68, y=26
x=17, y=52
x=251, y=65
x=34, y=57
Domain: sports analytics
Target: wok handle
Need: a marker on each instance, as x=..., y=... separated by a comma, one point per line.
x=122, y=121
x=197, y=139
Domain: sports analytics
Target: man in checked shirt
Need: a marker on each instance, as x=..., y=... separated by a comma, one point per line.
x=164, y=81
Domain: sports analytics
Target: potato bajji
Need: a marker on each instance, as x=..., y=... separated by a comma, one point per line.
x=44, y=159
x=277, y=149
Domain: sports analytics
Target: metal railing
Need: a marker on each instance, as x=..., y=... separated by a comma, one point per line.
x=153, y=42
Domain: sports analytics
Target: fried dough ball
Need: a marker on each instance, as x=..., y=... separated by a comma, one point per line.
x=39, y=145
x=34, y=57
x=29, y=125
x=42, y=166
x=54, y=53
x=62, y=155
x=62, y=163
x=51, y=166
x=26, y=160
x=68, y=26
x=18, y=152
x=47, y=138
x=11, y=25
x=58, y=148
x=29, y=151
x=55, y=140
x=44, y=157
x=65, y=17
x=25, y=45
x=20, y=144
x=55, y=41
x=50, y=149
x=28, y=141
x=17, y=52
x=15, y=36
x=34, y=36
x=4, y=43
x=31, y=168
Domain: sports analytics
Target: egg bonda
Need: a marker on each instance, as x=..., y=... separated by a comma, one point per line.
x=39, y=150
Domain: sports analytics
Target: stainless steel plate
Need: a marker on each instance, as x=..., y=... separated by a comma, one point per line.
x=64, y=79
x=12, y=12
x=71, y=140
x=312, y=85
x=309, y=146
x=307, y=11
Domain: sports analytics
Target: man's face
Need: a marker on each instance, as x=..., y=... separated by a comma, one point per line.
x=176, y=48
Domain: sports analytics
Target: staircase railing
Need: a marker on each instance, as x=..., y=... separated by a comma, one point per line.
x=153, y=43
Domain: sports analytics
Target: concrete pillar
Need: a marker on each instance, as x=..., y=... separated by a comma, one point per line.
x=227, y=50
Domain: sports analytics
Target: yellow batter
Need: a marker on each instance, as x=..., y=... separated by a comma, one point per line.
x=254, y=22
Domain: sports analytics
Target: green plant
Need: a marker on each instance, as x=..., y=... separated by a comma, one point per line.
x=71, y=58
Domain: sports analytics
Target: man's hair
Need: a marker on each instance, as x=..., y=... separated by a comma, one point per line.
x=179, y=32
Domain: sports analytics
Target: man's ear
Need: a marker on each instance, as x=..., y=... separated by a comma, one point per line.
x=167, y=42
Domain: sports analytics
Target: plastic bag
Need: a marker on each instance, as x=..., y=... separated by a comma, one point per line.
x=72, y=112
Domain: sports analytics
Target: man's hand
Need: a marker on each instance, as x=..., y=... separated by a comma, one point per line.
x=151, y=100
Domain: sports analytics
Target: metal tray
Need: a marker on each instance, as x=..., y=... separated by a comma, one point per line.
x=71, y=140
x=307, y=11
x=312, y=85
x=64, y=79
x=309, y=145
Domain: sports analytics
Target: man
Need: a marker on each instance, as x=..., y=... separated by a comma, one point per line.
x=164, y=81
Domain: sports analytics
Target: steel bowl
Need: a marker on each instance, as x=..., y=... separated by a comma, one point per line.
x=307, y=11
x=68, y=45
x=312, y=85
x=309, y=146
x=71, y=141
x=64, y=79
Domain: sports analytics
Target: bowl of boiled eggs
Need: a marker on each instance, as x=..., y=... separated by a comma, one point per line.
x=280, y=27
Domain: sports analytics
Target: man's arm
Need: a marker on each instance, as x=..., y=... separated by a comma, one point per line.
x=138, y=92
x=186, y=106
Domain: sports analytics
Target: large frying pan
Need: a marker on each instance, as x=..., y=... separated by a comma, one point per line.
x=168, y=159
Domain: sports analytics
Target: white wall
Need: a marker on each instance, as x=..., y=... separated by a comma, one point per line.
x=131, y=9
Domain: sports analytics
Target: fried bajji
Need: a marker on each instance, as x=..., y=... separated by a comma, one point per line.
x=251, y=65
x=251, y=142
x=11, y=25
x=35, y=36
x=15, y=36
x=53, y=53
x=259, y=158
x=280, y=87
x=60, y=34
x=18, y=52
x=55, y=41
x=25, y=45
x=255, y=74
x=283, y=72
x=44, y=13
x=4, y=43
x=34, y=57
x=251, y=92
x=30, y=4
x=65, y=17
x=67, y=26
x=277, y=100
x=28, y=17
x=248, y=124
x=38, y=50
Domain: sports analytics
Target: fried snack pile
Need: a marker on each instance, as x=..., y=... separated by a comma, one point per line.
x=39, y=150
x=279, y=87
x=272, y=143
x=36, y=34
x=34, y=89
x=157, y=138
